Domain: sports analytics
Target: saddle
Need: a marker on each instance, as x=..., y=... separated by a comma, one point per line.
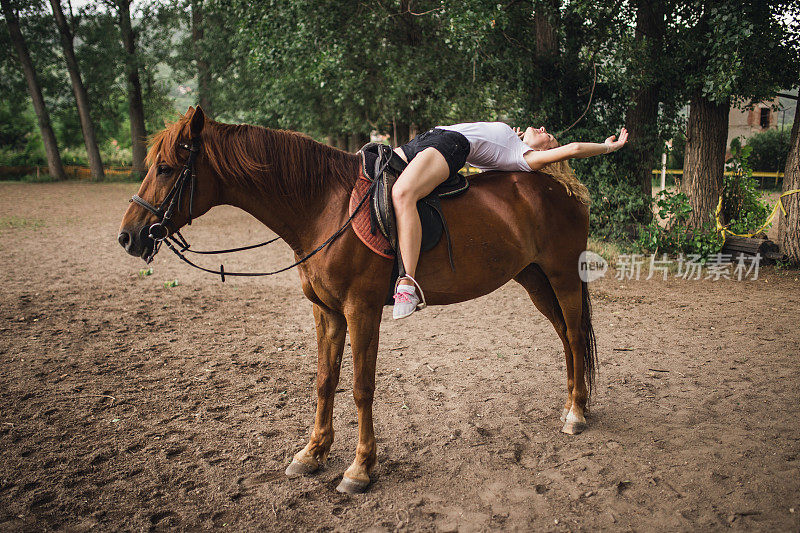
x=380, y=164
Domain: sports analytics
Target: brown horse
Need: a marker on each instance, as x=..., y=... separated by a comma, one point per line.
x=525, y=226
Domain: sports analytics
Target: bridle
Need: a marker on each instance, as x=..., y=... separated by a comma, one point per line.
x=164, y=232
x=159, y=231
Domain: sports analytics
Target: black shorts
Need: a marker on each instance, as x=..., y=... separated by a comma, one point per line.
x=451, y=144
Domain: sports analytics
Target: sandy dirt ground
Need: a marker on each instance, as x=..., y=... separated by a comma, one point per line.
x=128, y=405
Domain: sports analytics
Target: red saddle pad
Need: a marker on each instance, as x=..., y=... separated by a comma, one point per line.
x=361, y=223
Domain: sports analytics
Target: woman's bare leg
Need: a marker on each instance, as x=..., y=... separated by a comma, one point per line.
x=424, y=173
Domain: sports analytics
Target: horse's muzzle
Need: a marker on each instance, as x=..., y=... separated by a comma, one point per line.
x=137, y=243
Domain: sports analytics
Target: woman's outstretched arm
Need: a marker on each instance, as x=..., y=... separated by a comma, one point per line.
x=537, y=159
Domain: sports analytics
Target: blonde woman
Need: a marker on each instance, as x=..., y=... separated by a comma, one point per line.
x=438, y=153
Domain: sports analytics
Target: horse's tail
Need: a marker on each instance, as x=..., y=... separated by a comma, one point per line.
x=590, y=355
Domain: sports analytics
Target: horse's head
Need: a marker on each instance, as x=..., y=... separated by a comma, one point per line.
x=178, y=187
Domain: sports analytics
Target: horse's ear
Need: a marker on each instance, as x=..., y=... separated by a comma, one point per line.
x=197, y=122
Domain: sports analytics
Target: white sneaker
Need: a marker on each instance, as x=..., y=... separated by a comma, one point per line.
x=405, y=301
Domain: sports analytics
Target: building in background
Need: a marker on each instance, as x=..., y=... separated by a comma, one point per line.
x=777, y=113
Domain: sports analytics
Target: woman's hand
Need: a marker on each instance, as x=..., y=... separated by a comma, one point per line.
x=613, y=145
x=519, y=133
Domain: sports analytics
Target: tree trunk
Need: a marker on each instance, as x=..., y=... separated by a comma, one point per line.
x=642, y=117
x=789, y=226
x=402, y=131
x=355, y=141
x=704, y=162
x=341, y=142
x=546, y=36
x=78, y=89
x=35, y=91
x=135, y=103
x=203, y=72
x=546, y=52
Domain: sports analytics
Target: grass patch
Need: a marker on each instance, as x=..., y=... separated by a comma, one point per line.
x=111, y=176
x=608, y=250
x=15, y=222
x=44, y=177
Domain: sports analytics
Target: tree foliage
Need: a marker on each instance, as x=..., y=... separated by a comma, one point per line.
x=98, y=50
x=740, y=50
x=335, y=68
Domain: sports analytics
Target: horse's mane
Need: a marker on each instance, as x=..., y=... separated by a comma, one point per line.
x=283, y=165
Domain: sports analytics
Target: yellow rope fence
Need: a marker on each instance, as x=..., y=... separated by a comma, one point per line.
x=723, y=230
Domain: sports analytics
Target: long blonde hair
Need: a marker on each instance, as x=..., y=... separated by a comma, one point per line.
x=563, y=173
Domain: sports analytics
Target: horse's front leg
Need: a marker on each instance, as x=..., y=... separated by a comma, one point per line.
x=364, y=325
x=331, y=330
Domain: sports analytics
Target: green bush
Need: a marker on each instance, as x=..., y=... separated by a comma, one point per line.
x=10, y=157
x=115, y=153
x=742, y=208
x=667, y=232
x=617, y=206
x=769, y=150
x=74, y=156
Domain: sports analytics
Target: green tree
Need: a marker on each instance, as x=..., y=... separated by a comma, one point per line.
x=101, y=57
x=334, y=69
x=642, y=116
x=135, y=100
x=78, y=89
x=789, y=225
x=539, y=59
x=17, y=126
x=733, y=52
x=99, y=52
x=10, y=12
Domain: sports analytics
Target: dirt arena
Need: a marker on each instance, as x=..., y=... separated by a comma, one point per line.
x=128, y=405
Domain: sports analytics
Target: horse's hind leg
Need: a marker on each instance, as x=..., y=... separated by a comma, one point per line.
x=541, y=293
x=331, y=330
x=573, y=298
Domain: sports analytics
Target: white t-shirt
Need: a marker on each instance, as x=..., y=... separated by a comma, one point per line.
x=493, y=146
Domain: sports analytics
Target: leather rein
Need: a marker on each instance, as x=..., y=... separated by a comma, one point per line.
x=161, y=234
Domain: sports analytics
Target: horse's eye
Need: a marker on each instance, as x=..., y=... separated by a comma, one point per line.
x=164, y=169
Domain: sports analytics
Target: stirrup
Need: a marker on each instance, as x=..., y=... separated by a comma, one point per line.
x=422, y=304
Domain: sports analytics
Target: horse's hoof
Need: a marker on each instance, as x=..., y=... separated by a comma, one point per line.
x=296, y=468
x=573, y=428
x=352, y=486
x=573, y=424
